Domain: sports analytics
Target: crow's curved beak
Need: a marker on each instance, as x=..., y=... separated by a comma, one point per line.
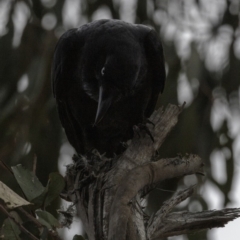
x=104, y=102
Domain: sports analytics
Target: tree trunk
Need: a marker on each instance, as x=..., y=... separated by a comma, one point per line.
x=110, y=193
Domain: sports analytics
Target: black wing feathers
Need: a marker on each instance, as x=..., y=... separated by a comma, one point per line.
x=155, y=59
x=66, y=58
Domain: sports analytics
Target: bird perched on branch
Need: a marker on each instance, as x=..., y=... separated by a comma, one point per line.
x=106, y=78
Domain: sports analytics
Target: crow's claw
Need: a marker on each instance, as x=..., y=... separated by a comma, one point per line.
x=142, y=126
x=150, y=122
x=136, y=129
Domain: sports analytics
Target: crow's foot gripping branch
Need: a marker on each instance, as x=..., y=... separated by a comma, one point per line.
x=143, y=127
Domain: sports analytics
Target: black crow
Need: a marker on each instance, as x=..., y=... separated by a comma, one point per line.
x=106, y=78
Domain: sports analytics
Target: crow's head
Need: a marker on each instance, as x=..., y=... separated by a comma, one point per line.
x=115, y=76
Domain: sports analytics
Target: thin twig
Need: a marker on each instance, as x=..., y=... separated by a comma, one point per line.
x=38, y=224
x=5, y=166
x=33, y=219
x=157, y=218
x=2, y=208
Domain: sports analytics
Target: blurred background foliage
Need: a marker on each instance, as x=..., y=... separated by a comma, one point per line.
x=201, y=40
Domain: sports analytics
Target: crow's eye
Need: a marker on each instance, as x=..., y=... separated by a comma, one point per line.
x=103, y=71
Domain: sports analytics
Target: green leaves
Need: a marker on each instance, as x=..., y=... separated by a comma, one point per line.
x=38, y=224
x=48, y=220
x=54, y=187
x=28, y=182
x=10, y=230
x=33, y=189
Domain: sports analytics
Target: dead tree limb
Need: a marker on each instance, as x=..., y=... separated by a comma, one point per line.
x=108, y=192
x=164, y=224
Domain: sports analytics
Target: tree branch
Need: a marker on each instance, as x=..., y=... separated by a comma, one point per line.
x=178, y=223
x=138, y=178
x=107, y=192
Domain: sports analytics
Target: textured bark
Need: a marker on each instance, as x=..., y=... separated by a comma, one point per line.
x=109, y=193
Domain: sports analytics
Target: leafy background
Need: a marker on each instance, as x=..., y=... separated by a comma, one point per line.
x=202, y=47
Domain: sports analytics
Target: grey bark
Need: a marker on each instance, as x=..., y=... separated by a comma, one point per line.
x=109, y=193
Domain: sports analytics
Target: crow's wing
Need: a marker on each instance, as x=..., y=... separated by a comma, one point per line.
x=66, y=58
x=156, y=67
x=65, y=62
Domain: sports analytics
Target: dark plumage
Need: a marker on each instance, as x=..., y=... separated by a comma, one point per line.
x=106, y=77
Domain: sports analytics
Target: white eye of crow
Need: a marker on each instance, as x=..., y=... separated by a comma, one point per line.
x=103, y=71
